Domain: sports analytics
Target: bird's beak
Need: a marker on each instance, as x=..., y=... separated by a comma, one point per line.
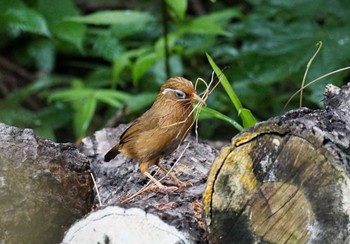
x=198, y=99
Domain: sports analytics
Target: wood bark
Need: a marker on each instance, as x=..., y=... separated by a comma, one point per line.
x=285, y=180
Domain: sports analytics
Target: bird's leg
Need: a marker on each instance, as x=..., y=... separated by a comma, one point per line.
x=160, y=185
x=178, y=182
x=143, y=169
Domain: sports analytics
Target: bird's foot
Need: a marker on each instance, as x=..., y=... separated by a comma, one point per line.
x=180, y=184
x=164, y=189
x=183, y=184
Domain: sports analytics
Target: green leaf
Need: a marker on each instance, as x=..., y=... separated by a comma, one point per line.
x=224, y=16
x=226, y=84
x=247, y=118
x=83, y=116
x=99, y=77
x=48, y=81
x=160, y=43
x=142, y=65
x=212, y=113
x=139, y=102
x=125, y=30
x=118, y=65
x=203, y=26
x=84, y=101
x=111, y=97
x=55, y=11
x=210, y=24
x=105, y=45
x=75, y=94
x=70, y=94
x=71, y=32
x=19, y=18
x=113, y=17
x=179, y=6
x=124, y=60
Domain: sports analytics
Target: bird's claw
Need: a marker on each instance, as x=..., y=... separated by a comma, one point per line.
x=164, y=189
x=182, y=184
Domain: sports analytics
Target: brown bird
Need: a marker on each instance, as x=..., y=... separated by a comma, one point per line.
x=160, y=130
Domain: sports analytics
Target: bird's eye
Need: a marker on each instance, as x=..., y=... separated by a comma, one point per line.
x=180, y=94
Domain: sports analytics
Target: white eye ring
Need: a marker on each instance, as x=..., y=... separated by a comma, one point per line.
x=180, y=94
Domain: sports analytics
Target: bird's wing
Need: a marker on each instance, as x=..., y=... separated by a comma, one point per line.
x=146, y=122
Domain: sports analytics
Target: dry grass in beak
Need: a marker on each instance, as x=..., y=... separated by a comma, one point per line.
x=198, y=99
x=202, y=99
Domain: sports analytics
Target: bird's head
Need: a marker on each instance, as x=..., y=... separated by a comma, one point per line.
x=180, y=89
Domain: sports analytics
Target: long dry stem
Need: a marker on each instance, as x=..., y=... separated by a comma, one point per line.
x=315, y=80
x=97, y=191
x=319, y=44
x=303, y=86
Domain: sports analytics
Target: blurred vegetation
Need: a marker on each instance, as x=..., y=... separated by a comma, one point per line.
x=68, y=67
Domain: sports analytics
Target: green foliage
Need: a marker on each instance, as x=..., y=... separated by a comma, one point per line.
x=113, y=17
x=45, y=121
x=18, y=17
x=55, y=13
x=84, y=101
x=87, y=64
x=210, y=24
x=278, y=39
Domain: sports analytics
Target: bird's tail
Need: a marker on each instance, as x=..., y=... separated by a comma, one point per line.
x=114, y=151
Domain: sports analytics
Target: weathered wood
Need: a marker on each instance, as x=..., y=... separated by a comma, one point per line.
x=286, y=180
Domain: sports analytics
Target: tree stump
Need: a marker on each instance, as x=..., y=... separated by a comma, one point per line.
x=285, y=180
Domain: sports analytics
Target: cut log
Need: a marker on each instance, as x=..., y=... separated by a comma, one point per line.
x=285, y=180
